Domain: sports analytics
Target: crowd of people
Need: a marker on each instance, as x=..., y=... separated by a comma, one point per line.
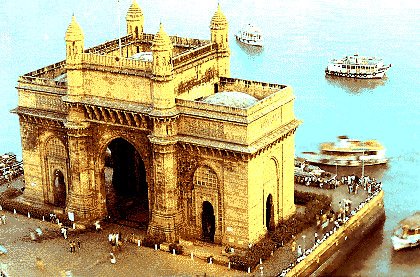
x=370, y=185
x=317, y=181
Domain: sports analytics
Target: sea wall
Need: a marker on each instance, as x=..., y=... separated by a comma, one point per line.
x=326, y=258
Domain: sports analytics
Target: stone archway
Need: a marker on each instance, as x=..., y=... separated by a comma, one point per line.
x=269, y=213
x=59, y=189
x=127, y=199
x=208, y=221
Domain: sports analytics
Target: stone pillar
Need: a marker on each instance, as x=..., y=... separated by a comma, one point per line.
x=81, y=199
x=165, y=205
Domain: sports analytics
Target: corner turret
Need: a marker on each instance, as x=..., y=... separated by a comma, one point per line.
x=162, y=48
x=219, y=29
x=163, y=91
x=135, y=21
x=74, y=41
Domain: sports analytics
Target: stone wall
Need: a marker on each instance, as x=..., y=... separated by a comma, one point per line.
x=329, y=254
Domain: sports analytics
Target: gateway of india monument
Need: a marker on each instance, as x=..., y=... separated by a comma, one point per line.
x=151, y=129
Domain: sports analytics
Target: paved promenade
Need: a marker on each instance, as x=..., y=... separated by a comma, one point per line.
x=55, y=258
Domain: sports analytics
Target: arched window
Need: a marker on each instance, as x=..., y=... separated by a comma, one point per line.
x=205, y=176
x=56, y=148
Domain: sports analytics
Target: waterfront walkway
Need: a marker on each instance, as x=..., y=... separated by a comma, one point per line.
x=55, y=258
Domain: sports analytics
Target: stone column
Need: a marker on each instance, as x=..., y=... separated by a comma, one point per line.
x=81, y=199
x=165, y=205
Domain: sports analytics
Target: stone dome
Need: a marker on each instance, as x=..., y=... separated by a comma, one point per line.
x=218, y=21
x=74, y=32
x=233, y=99
x=134, y=12
x=161, y=40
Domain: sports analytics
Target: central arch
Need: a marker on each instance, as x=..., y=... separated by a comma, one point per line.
x=208, y=221
x=126, y=188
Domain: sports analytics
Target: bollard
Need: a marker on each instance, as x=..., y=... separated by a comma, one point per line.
x=173, y=251
x=14, y=211
x=229, y=265
x=260, y=261
x=210, y=262
x=138, y=242
x=74, y=226
x=29, y=216
x=43, y=219
x=155, y=246
x=192, y=256
x=249, y=270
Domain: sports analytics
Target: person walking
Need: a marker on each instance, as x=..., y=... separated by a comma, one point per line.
x=293, y=245
x=112, y=257
x=299, y=250
x=78, y=243
x=3, y=218
x=64, y=232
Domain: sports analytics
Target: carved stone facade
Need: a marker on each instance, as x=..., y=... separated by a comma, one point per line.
x=208, y=167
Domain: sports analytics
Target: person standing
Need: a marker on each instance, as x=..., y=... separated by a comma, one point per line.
x=316, y=237
x=299, y=250
x=78, y=243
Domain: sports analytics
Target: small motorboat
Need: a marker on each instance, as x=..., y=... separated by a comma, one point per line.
x=407, y=234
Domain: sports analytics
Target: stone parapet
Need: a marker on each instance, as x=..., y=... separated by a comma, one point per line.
x=112, y=63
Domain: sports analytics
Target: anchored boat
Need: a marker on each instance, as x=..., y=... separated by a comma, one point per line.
x=357, y=67
x=346, y=152
x=249, y=34
x=408, y=233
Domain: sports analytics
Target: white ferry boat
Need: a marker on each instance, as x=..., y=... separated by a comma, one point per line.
x=346, y=152
x=408, y=233
x=249, y=34
x=357, y=67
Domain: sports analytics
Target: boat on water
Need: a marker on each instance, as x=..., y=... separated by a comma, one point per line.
x=249, y=34
x=407, y=234
x=303, y=170
x=357, y=67
x=346, y=152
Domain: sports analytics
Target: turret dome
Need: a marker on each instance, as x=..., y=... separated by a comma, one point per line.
x=74, y=32
x=161, y=40
x=134, y=12
x=218, y=21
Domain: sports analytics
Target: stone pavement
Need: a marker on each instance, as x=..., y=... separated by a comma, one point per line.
x=55, y=258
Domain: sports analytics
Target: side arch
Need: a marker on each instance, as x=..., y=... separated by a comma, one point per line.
x=55, y=161
x=206, y=188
